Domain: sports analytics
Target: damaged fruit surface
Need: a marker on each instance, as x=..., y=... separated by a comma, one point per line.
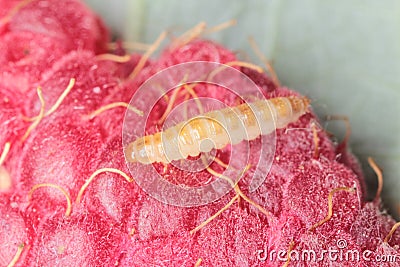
x=308, y=201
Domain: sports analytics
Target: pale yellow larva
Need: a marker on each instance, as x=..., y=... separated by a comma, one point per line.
x=216, y=129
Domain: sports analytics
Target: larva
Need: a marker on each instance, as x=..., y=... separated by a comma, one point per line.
x=216, y=129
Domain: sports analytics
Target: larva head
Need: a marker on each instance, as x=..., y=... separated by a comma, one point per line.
x=288, y=109
x=299, y=104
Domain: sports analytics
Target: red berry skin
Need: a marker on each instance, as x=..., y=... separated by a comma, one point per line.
x=11, y=110
x=109, y=193
x=12, y=127
x=197, y=50
x=15, y=231
x=25, y=56
x=83, y=239
x=57, y=152
x=94, y=80
x=69, y=21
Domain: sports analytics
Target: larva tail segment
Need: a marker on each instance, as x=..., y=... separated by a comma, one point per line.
x=62, y=190
x=104, y=108
x=99, y=171
x=330, y=205
x=291, y=247
x=114, y=58
x=198, y=262
x=4, y=154
x=378, y=172
x=266, y=62
x=146, y=55
x=38, y=118
x=17, y=255
x=389, y=236
x=4, y=20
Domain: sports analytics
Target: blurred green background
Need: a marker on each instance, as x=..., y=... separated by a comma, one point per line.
x=345, y=55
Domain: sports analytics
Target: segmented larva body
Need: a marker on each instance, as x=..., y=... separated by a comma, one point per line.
x=216, y=129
